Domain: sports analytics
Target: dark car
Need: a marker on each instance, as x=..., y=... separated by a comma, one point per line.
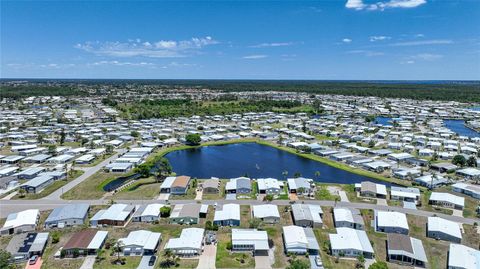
x=151, y=262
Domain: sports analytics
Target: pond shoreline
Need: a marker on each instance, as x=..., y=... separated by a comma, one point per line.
x=309, y=156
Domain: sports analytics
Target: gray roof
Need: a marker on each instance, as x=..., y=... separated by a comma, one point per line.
x=73, y=211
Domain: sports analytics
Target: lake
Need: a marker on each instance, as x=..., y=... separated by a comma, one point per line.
x=458, y=126
x=386, y=121
x=255, y=161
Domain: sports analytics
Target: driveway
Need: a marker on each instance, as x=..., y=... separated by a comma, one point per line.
x=144, y=263
x=37, y=265
x=382, y=202
x=88, y=173
x=262, y=262
x=163, y=196
x=343, y=196
x=199, y=195
x=207, y=259
x=313, y=264
x=88, y=262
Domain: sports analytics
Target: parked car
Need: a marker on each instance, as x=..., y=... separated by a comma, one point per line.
x=152, y=260
x=33, y=260
x=318, y=260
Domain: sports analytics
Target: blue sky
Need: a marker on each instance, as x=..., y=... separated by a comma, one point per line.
x=334, y=40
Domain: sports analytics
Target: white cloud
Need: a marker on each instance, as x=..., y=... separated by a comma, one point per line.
x=426, y=56
x=159, y=49
x=119, y=63
x=360, y=5
x=367, y=53
x=277, y=44
x=255, y=56
x=347, y=40
x=379, y=38
x=423, y=42
x=408, y=62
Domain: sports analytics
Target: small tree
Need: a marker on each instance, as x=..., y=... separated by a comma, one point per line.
x=21, y=193
x=109, y=149
x=378, y=265
x=117, y=248
x=165, y=211
x=254, y=223
x=52, y=150
x=268, y=198
x=62, y=137
x=193, y=139
x=135, y=134
x=459, y=160
x=472, y=161
x=55, y=237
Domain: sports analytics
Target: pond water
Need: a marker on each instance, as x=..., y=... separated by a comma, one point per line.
x=255, y=161
x=387, y=121
x=458, y=126
x=114, y=184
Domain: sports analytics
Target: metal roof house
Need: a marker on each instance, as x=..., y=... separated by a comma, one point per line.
x=24, y=246
x=147, y=213
x=69, y=215
x=348, y=218
x=37, y=184
x=175, y=185
x=448, y=200
x=190, y=242
x=405, y=250
x=463, y=257
x=85, y=242
x=405, y=194
x=140, y=243
x=370, y=189
x=300, y=185
x=229, y=215
x=467, y=189
x=250, y=240
x=115, y=215
x=391, y=222
x=443, y=229
x=186, y=214
x=23, y=221
x=299, y=240
x=211, y=186
x=267, y=213
x=238, y=185
x=269, y=186
x=350, y=243
x=306, y=215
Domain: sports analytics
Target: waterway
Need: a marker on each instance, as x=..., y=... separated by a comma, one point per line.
x=255, y=161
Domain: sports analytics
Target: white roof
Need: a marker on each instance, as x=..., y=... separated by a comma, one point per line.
x=142, y=238
x=167, y=183
x=348, y=238
x=264, y=211
x=152, y=210
x=295, y=237
x=391, y=219
x=343, y=214
x=229, y=211
x=445, y=226
x=413, y=193
x=268, y=183
x=470, y=171
x=250, y=236
x=26, y=217
x=189, y=238
x=461, y=256
x=114, y=212
x=98, y=240
x=447, y=197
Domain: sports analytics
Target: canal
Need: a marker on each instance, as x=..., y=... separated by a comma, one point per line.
x=255, y=161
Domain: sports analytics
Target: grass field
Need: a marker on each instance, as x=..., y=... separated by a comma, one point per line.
x=145, y=188
x=91, y=188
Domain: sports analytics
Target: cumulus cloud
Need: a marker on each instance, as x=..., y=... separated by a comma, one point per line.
x=379, y=38
x=360, y=5
x=347, y=40
x=255, y=56
x=158, y=49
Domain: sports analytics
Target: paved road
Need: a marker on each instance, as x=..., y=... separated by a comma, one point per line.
x=89, y=171
x=11, y=206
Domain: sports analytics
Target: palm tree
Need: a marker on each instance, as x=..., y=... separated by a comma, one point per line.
x=118, y=248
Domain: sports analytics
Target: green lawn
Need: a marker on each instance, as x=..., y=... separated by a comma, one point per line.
x=91, y=188
x=107, y=263
x=142, y=189
x=227, y=259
